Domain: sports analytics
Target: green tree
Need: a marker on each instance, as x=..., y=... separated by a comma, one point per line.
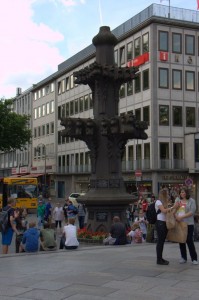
x=14, y=131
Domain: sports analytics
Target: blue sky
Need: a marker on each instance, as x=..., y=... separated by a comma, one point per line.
x=37, y=35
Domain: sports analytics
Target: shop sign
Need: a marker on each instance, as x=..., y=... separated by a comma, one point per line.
x=163, y=56
x=139, y=60
x=14, y=171
x=174, y=177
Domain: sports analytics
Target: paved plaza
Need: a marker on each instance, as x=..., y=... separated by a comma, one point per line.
x=98, y=273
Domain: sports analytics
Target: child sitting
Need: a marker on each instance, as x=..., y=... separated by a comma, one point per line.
x=141, y=220
x=135, y=235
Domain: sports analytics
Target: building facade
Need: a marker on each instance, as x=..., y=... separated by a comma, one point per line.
x=165, y=46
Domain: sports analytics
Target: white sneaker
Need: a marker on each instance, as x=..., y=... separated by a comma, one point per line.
x=195, y=262
x=182, y=261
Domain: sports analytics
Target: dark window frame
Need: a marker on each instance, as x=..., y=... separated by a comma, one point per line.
x=186, y=44
x=180, y=35
x=175, y=123
x=160, y=48
x=194, y=85
x=173, y=72
x=159, y=75
x=163, y=123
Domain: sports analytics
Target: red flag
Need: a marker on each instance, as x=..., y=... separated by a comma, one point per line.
x=197, y=4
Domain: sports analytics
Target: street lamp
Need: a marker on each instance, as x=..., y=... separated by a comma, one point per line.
x=41, y=154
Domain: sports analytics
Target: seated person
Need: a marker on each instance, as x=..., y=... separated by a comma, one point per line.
x=135, y=235
x=117, y=235
x=30, y=240
x=47, y=238
x=70, y=234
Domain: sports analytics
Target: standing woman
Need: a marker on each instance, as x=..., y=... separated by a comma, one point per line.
x=185, y=213
x=161, y=206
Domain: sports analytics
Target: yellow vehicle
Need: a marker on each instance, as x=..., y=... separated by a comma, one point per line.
x=24, y=190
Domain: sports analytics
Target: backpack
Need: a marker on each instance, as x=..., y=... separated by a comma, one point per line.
x=75, y=210
x=151, y=214
x=138, y=236
x=4, y=220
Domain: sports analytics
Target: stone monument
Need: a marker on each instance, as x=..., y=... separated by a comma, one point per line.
x=106, y=134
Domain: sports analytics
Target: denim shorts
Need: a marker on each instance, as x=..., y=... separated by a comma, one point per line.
x=7, y=237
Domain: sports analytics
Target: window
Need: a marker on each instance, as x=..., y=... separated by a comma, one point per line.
x=177, y=150
x=138, y=153
x=81, y=104
x=52, y=127
x=137, y=84
x=147, y=151
x=35, y=132
x=47, y=108
x=91, y=100
x=59, y=112
x=39, y=131
x=164, y=150
x=137, y=47
x=39, y=112
x=67, y=110
x=35, y=113
x=145, y=43
x=163, y=78
x=76, y=106
x=176, y=43
x=47, y=129
x=129, y=88
x=190, y=81
x=163, y=115
x=177, y=79
x=177, y=115
x=71, y=108
x=189, y=44
x=129, y=51
x=146, y=114
x=43, y=110
x=59, y=137
x=146, y=79
x=39, y=94
x=52, y=87
x=63, y=85
x=63, y=110
x=122, y=91
x=86, y=102
x=47, y=89
x=67, y=84
x=52, y=106
x=116, y=56
x=130, y=151
x=197, y=150
x=190, y=117
x=138, y=114
x=71, y=81
x=35, y=95
x=163, y=41
x=43, y=92
x=59, y=88
x=43, y=130
x=122, y=55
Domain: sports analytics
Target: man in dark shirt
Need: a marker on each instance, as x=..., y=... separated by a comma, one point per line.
x=118, y=231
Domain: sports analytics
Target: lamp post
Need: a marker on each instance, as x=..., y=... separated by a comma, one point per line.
x=41, y=154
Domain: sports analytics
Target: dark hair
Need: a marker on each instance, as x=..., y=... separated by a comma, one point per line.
x=187, y=192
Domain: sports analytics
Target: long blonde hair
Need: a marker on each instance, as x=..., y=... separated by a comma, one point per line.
x=163, y=197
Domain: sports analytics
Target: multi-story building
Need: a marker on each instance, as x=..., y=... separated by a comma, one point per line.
x=164, y=44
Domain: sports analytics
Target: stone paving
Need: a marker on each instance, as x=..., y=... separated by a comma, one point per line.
x=98, y=273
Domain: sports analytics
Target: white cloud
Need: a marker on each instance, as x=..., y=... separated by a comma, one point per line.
x=28, y=50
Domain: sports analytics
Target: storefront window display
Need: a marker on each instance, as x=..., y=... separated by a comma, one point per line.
x=139, y=189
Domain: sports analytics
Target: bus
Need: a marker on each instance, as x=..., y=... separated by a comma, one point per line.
x=24, y=190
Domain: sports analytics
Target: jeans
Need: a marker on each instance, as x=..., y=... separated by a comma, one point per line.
x=161, y=233
x=190, y=244
x=81, y=222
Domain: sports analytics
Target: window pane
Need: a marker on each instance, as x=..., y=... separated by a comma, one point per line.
x=137, y=84
x=177, y=116
x=163, y=40
x=71, y=108
x=138, y=114
x=190, y=80
x=116, y=57
x=137, y=47
x=129, y=51
x=177, y=150
x=164, y=150
x=146, y=114
x=129, y=88
x=122, y=91
x=67, y=109
x=81, y=104
x=164, y=115
x=176, y=43
x=145, y=79
x=196, y=150
x=189, y=45
x=145, y=43
x=86, y=102
x=147, y=151
x=122, y=56
x=190, y=116
x=71, y=81
x=177, y=79
x=76, y=106
x=163, y=78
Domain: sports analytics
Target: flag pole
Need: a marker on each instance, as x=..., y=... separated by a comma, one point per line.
x=169, y=10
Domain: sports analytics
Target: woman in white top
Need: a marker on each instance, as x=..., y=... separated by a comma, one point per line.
x=70, y=233
x=58, y=215
x=161, y=206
